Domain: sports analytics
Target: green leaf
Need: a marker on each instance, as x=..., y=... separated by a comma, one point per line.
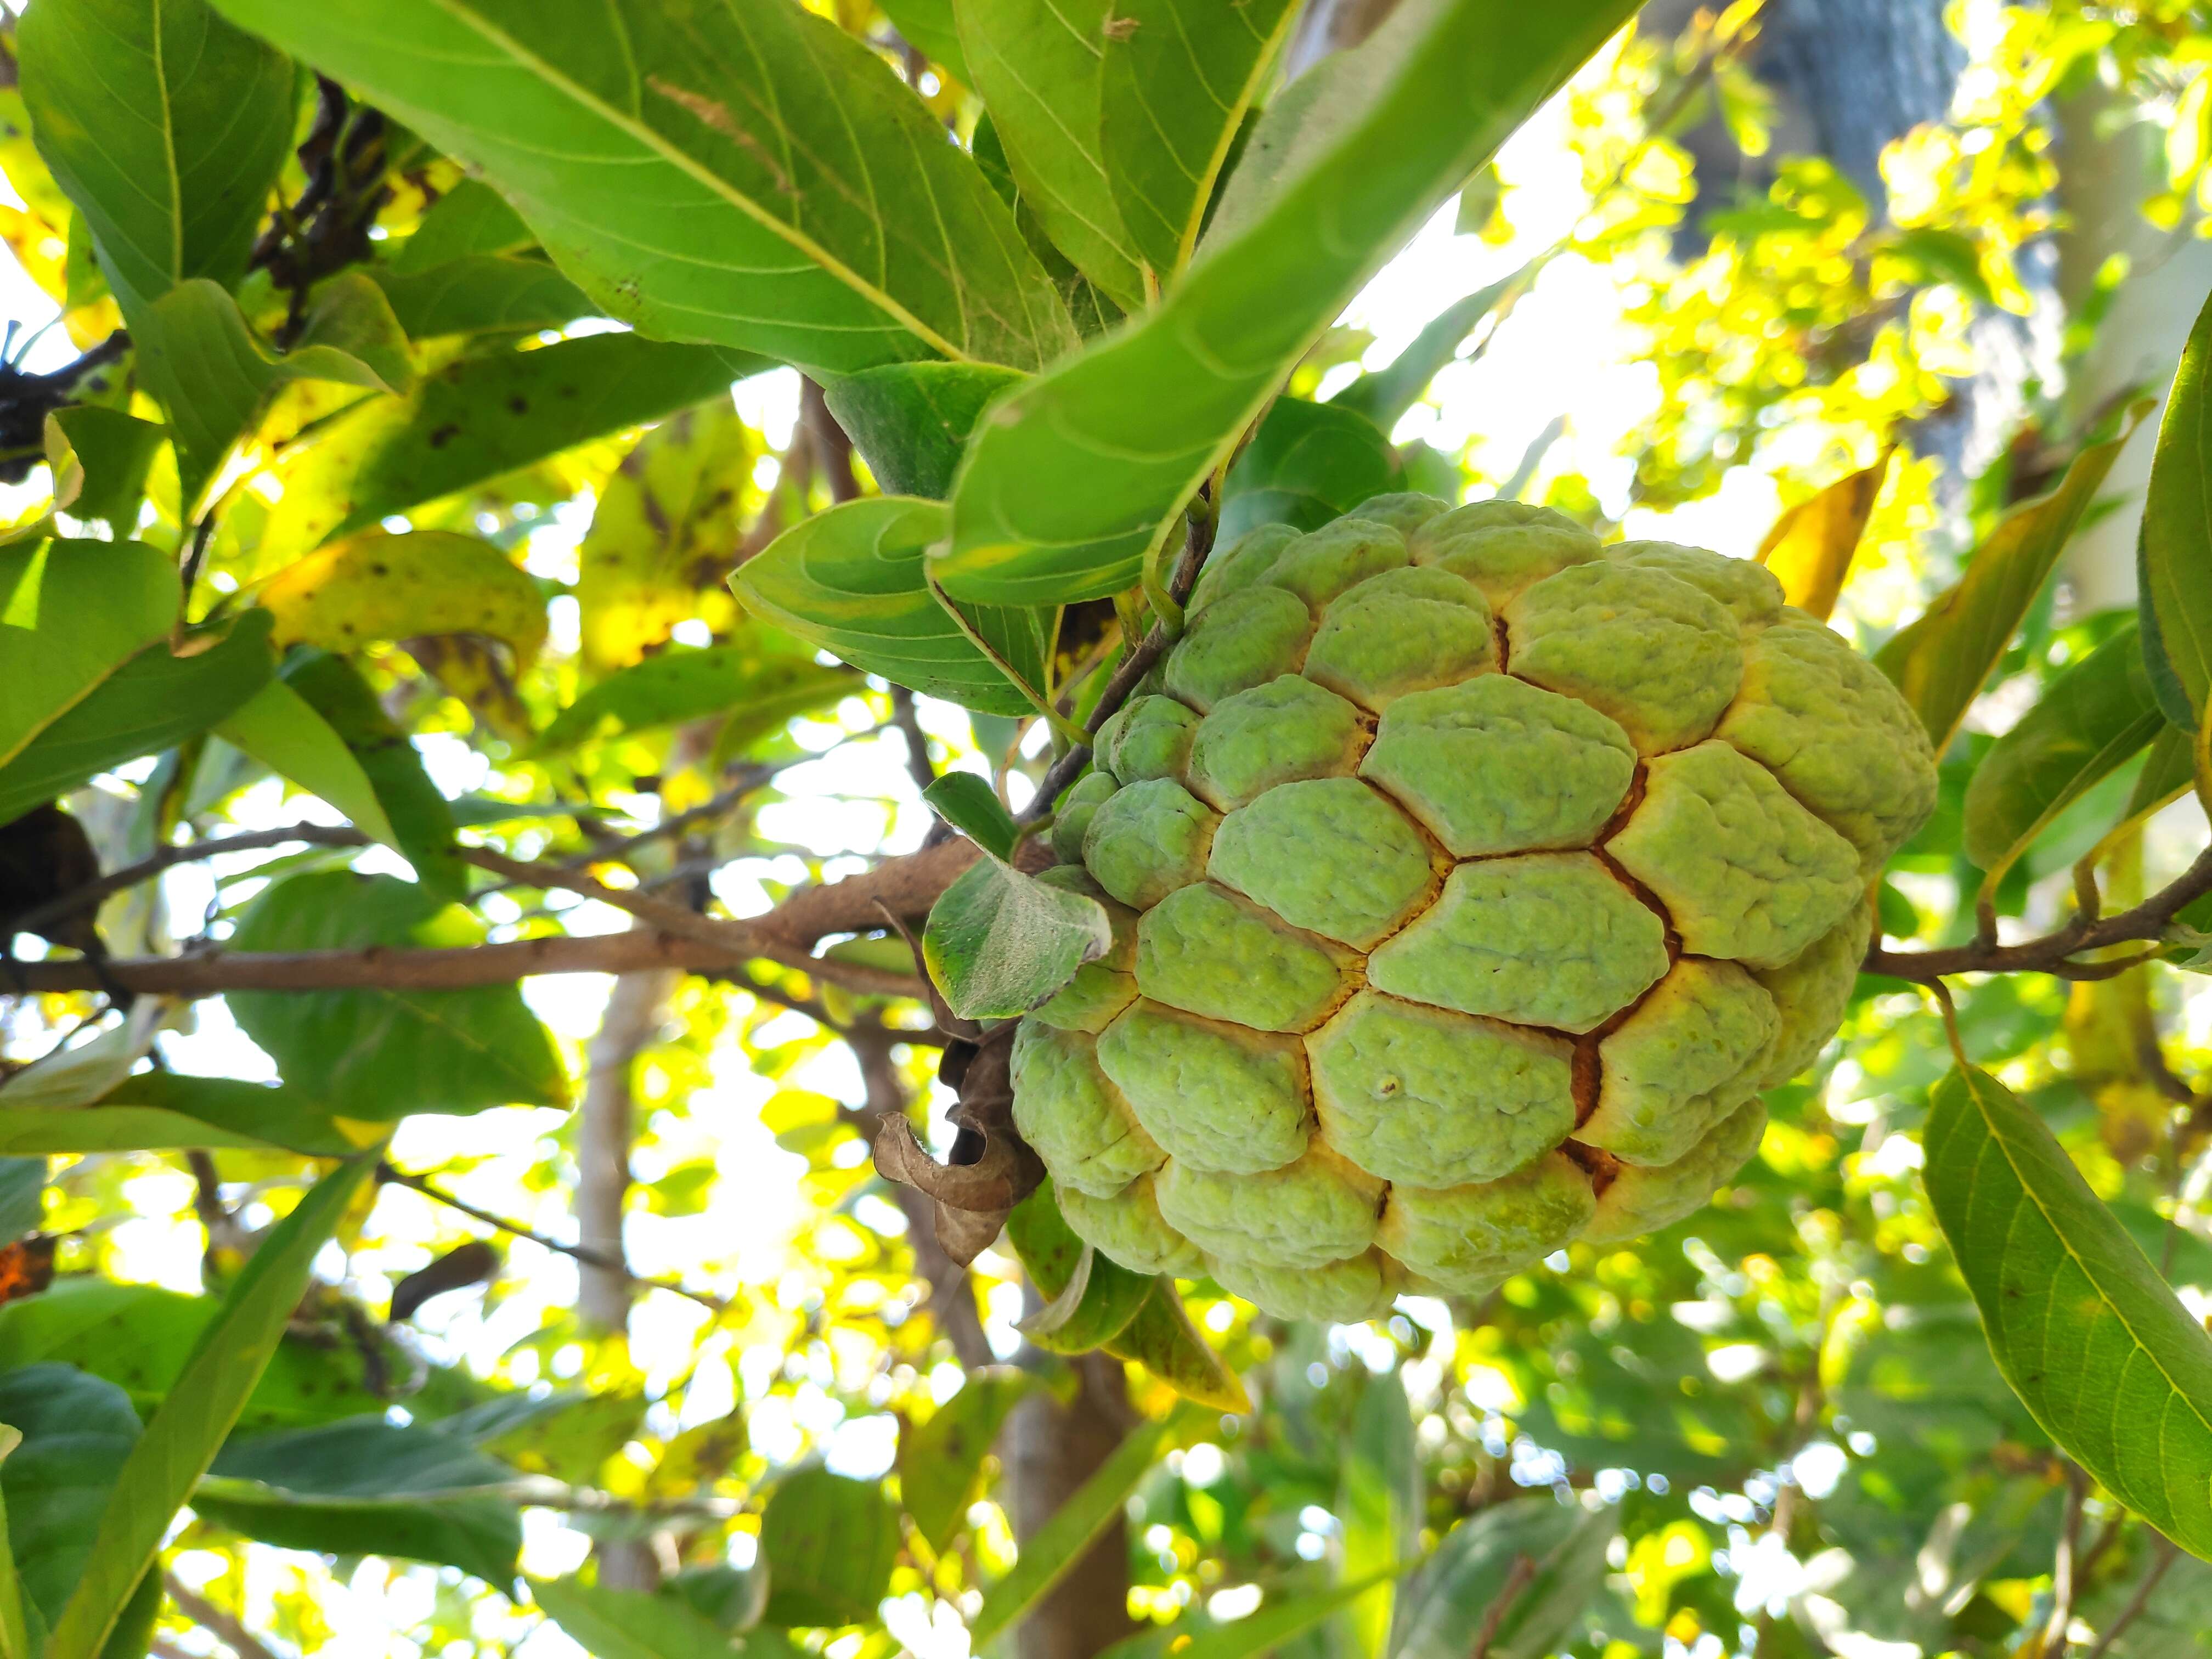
x=138, y=1336
x=378, y=1055
x=422, y=819
x=1379, y=1507
x=469, y=219
x=1094, y=1307
x=167, y=128
x=165, y=1111
x=213, y=378
x=1385, y=395
x=1179, y=77
x=969, y=805
x=380, y=585
x=480, y=294
x=2092, y=1341
x=1940, y=661
x=16, y=1641
x=22, y=1196
x=1308, y=463
x=1041, y=69
x=829, y=1543
x=928, y=26
x=111, y=452
x=997, y=942
x=619, y=1624
x=281, y=729
x=77, y=1430
x=1081, y=473
x=757, y=675
x=745, y=174
x=207, y=1397
x=911, y=421
x=1053, y=1548
x=65, y=1077
x=851, y=580
x=2090, y=720
x=479, y=417
x=940, y=1463
x=2175, y=550
x=368, y=1487
x=664, y=533
x=1443, y=1610
x=152, y=701
x=71, y=613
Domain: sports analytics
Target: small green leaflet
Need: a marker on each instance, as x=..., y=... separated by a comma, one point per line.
x=2176, y=549
x=852, y=582
x=969, y=805
x=2088, y=1335
x=998, y=943
x=1387, y=393
x=749, y=677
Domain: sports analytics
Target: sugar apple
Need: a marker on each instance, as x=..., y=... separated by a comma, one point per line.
x=1469, y=880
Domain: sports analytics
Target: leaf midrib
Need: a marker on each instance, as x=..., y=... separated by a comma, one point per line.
x=1998, y=1140
x=647, y=139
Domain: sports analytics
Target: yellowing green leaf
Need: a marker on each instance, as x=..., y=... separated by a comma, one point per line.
x=1811, y=546
x=383, y=585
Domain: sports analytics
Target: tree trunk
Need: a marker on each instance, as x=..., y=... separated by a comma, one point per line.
x=1050, y=1451
x=604, y=1131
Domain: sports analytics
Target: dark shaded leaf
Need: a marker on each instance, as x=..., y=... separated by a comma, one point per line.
x=911, y=421
x=1309, y=463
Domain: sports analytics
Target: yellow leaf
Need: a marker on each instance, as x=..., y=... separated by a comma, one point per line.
x=387, y=587
x=1809, y=549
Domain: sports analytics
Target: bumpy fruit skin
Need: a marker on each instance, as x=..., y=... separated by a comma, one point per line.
x=1469, y=881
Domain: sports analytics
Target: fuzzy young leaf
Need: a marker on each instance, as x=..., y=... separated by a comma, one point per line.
x=1180, y=78
x=1081, y=473
x=207, y=1398
x=1811, y=546
x=281, y=729
x=479, y=417
x=757, y=675
x=969, y=805
x=1306, y=465
x=741, y=174
x=2094, y=718
x=1000, y=942
x=2092, y=1341
x=385, y=586
x=911, y=421
x=2176, y=546
x=851, y=580
x=1940, y=659
x=378, y=1055
x=72, y=614
x=167, y=128
x=1385, y=395
x=150, y=701
x=830, y=1543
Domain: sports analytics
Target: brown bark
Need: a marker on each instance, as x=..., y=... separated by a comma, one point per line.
x=605, y=1129
x=1051, y=1449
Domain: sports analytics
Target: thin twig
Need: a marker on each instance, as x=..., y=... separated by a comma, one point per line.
x=589, y=1257
x=224, y=1627
x=2169, y=1552
x=94, y=893
x=1516, y=1581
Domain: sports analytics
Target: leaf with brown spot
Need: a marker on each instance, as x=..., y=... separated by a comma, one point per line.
x=385, y=587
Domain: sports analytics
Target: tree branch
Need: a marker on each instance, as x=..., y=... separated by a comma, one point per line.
x=192, y=852
x=586, y=1255
x=2054, y=952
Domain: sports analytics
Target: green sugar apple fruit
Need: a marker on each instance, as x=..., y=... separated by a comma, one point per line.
x=1469, y=880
